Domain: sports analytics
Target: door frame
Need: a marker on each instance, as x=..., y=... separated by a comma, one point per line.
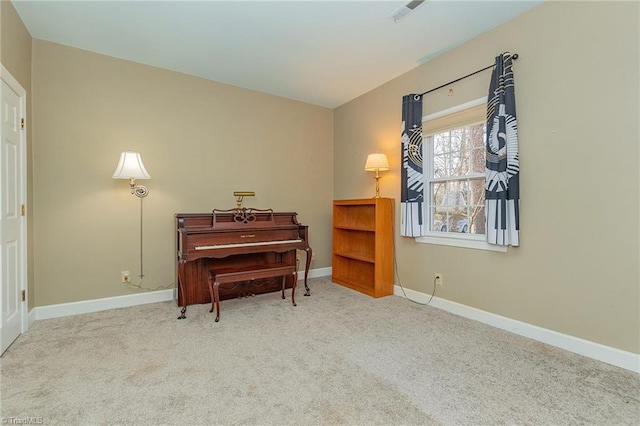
x=6, y=77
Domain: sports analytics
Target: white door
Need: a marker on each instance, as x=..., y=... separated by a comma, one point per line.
x=12, y=210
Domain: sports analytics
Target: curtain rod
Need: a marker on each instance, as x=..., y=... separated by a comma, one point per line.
x=514, y=56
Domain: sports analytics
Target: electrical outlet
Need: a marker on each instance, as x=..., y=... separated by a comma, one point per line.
x=439, y=279
x=125, y=276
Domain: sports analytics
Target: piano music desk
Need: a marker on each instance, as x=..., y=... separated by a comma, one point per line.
x=249, y=273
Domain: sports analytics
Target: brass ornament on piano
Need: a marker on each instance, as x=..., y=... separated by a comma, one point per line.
x=241, y=195
x=242, y=214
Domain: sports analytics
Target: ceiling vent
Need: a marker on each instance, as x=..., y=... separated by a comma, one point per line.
x=403, y=11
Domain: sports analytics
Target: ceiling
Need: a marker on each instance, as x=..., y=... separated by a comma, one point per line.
x=324, y=52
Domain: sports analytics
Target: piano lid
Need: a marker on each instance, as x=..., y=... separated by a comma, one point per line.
x=228, y=219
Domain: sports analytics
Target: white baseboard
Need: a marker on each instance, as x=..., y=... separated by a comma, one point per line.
x=610, y=355
x=31, y=317
x=316, y=273
x=96, y=305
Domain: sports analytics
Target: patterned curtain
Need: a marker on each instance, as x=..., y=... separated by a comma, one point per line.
x=412, y=181
x=502, y=185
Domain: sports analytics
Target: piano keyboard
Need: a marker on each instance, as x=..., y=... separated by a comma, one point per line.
x=258, y=243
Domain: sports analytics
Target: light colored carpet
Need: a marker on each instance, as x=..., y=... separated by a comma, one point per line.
x=339, y=357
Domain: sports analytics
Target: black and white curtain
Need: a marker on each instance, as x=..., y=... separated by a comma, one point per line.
x=412, y=180
x=502, y=186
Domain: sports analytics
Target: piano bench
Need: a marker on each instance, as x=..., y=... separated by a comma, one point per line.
x=248, y=273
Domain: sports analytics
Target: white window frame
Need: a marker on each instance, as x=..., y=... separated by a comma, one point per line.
x=471, y=241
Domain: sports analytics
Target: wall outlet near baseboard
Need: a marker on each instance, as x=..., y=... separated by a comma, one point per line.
x=439, y=279
x=125, y=277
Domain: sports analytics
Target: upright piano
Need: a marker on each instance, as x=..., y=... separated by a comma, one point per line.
x=236, y=238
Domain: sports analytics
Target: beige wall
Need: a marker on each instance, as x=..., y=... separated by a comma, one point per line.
x=15, y=56
x=200, y=141
x=15, y=44
x=577, y=92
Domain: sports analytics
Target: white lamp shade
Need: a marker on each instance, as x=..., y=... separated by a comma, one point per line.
x=130, y=166
x=378, y=162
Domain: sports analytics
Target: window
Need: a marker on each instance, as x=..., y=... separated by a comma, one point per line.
x=454, y=154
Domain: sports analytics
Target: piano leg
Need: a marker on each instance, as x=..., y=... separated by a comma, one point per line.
x=182, y=313
x=306, y=270
x=293, y=288
x=181, y=264
x=216, y=297
x=213, y=299
x=284, y=281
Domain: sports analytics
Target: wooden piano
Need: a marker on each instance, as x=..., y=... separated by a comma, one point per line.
x=236, y=238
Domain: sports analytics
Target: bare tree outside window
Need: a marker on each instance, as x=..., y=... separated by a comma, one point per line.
x=456, y=179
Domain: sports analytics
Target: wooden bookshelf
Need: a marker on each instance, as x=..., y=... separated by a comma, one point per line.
x=363, y=245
